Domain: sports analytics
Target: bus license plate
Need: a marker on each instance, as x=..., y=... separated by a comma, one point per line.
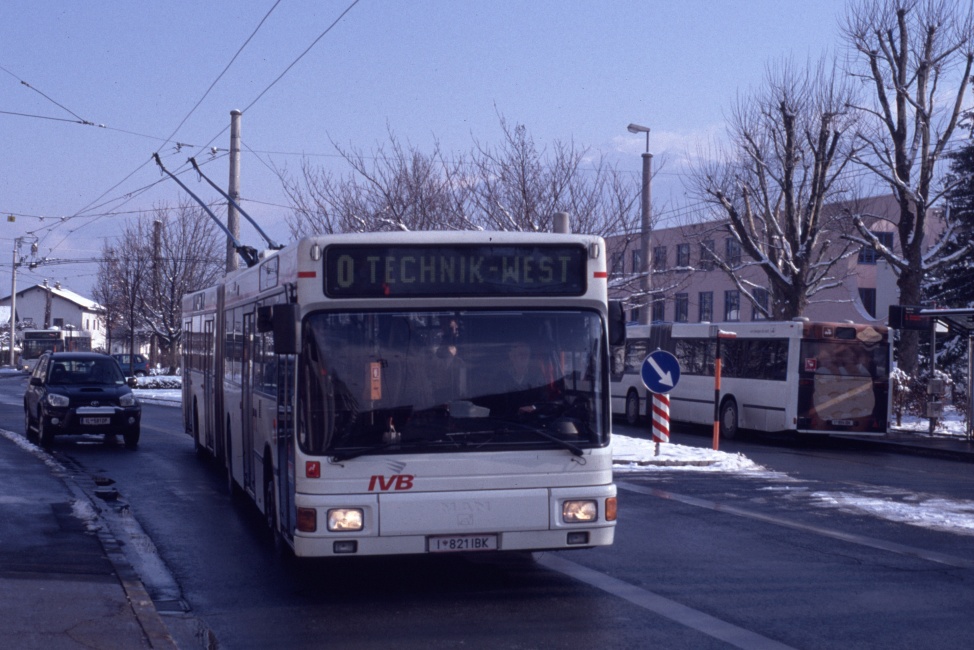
x=459, y=543
x=96, y=421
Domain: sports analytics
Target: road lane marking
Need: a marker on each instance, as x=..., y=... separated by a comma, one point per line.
x=862, y=540
x=687, y=616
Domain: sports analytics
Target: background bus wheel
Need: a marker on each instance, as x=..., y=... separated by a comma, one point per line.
x=728, y=419
x=632, y=408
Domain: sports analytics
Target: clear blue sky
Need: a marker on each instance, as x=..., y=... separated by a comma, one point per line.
x=426, y=69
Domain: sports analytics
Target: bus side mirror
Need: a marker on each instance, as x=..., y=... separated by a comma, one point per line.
x=617, y=323
x=282, y=320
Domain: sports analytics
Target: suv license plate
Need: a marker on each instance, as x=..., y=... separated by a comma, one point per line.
x=95, y=421
x=460, y=543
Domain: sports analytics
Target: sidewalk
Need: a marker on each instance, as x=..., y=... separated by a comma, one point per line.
x=64, y=582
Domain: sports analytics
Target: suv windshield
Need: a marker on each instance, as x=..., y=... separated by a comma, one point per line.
x=443, y=381
x=89, y=372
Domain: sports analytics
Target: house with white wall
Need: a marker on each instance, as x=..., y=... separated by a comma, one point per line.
x=44, y=306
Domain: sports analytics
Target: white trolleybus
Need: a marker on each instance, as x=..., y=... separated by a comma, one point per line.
x=396, y=393
x=38, y=341
x=800, y=376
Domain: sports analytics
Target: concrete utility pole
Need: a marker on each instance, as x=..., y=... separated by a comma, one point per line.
x=645, y=209
x=156, y=263
x=233, y=189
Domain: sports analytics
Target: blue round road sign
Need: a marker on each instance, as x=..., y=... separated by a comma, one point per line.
x=660, y=372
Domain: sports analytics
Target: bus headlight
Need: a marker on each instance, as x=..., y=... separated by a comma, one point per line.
x=577, y=512
x=345, y=519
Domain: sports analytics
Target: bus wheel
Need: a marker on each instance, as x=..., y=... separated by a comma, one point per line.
x=632, y=408
x=231, y=485
x=270, y=515
x=199, y=448
x=728, y=419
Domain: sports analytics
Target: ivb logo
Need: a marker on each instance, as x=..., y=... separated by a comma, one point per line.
x=396, y=482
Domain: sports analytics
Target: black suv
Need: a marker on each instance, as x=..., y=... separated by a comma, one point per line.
x=80, y=392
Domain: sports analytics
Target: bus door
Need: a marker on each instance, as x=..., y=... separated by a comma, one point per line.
x=249, y=418
x=209, y=389
x=286, y=374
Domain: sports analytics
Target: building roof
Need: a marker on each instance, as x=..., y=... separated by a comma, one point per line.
x=57, y=290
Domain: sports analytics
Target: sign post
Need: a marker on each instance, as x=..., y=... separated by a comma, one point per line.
x=660, y=374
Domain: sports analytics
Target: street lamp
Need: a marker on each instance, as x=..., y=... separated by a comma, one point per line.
x=645, y=228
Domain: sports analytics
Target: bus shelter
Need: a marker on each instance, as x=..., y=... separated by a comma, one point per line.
x=958, y=322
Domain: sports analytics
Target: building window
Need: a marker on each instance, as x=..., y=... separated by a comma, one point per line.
x=659, y=258
x=733, y=251
x=683, y=255
x=681, y=308
x=659, y=310
x=59, y=322
x=868, y=299
x=732, y=305
x=706, y=306
x=868, y=255
x=634, y=315
x=707, y=255
x=637, y=261
x=761, y=298
x=617, y=267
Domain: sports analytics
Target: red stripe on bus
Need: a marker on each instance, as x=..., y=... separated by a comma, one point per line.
x=600, y=274
x=307, y=274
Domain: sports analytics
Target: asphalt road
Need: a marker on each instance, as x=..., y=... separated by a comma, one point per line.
x=701, y=560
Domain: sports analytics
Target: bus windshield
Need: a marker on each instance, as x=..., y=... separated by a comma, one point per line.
x=435, y=381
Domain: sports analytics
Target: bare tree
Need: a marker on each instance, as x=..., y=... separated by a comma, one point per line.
x=907, y=51
x=516, y=186
x=787, y=152
x=511, y=187
x=122, y=276
x=187, y=255
x=402, y=189
x=142, y=277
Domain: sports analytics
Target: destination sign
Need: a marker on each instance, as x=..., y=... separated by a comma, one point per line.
x=397, y=271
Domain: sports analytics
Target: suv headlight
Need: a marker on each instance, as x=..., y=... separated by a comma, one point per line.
x=127, y=399
x=58, y=401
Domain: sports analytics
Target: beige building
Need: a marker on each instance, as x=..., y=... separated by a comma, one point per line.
x=688, y=286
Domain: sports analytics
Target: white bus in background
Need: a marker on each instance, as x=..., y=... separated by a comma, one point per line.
x=801, y=376
x=394, y=393
x=38, y=341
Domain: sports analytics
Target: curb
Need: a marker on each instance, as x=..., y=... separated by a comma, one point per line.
x=156, y=632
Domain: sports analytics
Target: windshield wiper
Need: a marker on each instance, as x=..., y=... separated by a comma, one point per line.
x=575, y=449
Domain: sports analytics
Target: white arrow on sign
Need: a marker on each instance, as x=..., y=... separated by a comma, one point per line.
x=665, y=378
